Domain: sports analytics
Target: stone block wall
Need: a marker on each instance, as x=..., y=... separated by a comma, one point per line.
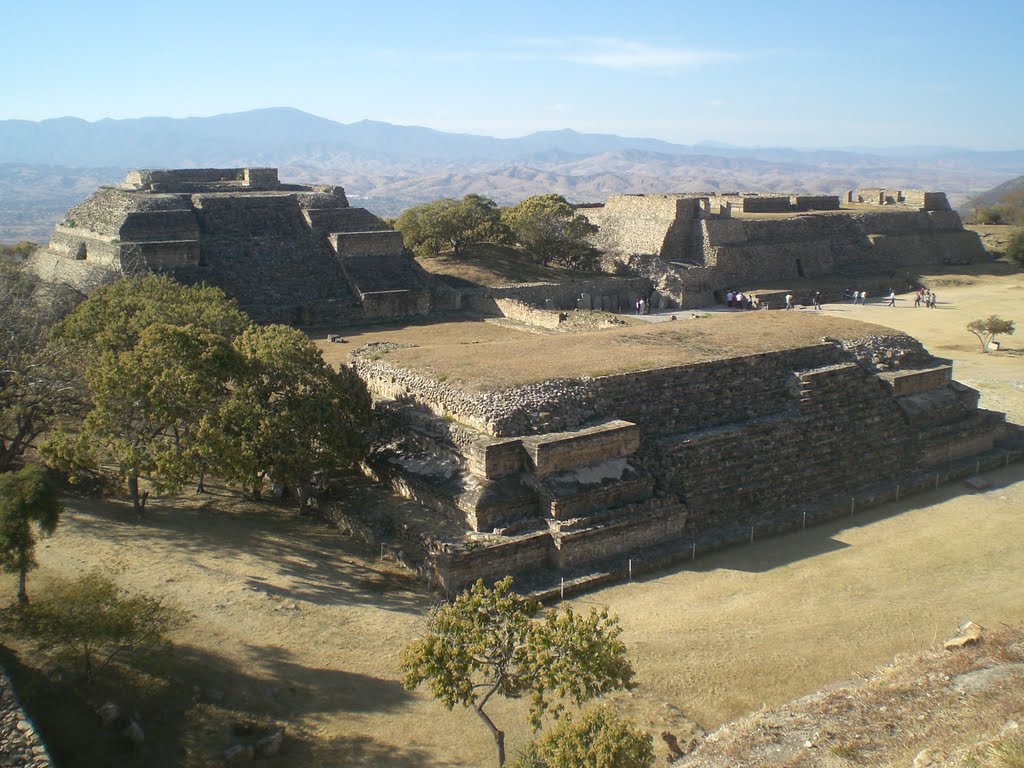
x=645, y=224
x=617, y=465
x=528, y=315
x=815, y=202
x=386, y=242
x=609, y=294
x=765, y=203
x=558, y=451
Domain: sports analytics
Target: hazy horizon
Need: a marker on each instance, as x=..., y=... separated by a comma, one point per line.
x=806, y=75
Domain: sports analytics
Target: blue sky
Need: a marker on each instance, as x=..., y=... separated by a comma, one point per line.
x=814, y=74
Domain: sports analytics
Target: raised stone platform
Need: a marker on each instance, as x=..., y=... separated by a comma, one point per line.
x=287, y=252
x=696, y=247
x=652, y=461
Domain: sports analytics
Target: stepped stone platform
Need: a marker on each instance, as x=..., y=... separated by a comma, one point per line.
x=696, y=247
x=287, y=252
x=689, y=446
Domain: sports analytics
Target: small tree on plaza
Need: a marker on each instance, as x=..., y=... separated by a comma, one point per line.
x=987, y=329
x=489, y=642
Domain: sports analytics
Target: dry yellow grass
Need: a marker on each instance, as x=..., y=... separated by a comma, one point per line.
x=485, y=356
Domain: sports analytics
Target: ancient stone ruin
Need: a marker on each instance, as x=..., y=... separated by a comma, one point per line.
x=695, y=246
x=592, y=475
x=287, y=252
x=609, y=463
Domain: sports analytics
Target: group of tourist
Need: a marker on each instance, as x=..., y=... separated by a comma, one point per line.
x=925, y=296
x=643, y=307
x=857, y=297
x=740, y=300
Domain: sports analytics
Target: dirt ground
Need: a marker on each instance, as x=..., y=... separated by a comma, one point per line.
x=294, y=623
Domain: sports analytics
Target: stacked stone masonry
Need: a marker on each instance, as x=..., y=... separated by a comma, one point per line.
x=700, y=250
x=20, y=744
x=288, y=253
x=577, y=472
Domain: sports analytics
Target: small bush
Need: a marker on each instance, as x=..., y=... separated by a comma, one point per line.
x=91, y=620
x=598, y=738
x=1015, y=249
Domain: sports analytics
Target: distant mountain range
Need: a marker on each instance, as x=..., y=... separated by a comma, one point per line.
x=47, y=166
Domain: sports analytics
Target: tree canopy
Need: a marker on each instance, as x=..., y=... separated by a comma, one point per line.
x=597, y=738
x=1015, y=249
x=549, y=229
x=29, y=507
x=180, y=384
x=988, y=328
x=91, y=619
x=433, y=227
x=34, y=385
x=289, y=415
x=488, y=642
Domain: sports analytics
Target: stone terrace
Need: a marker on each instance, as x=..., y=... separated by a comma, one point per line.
x=561, y=452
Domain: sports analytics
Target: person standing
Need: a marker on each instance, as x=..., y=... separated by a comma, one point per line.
x=789, y=301
x=817, y=299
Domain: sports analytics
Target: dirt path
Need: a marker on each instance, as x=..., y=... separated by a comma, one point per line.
x=293, y=622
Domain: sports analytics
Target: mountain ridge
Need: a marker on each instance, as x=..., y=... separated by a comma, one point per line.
x=44, y=165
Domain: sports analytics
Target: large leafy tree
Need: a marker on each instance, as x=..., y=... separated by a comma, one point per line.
x=440, y=225
x=1015, y=248
x=551, y=231
x=289, y=416
x=489, y=642
x=29, y=507
x=34, y=387
x=157, y=359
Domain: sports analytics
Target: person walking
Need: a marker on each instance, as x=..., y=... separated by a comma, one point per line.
x=789, y=301
x=817, y=299
x=892, y=298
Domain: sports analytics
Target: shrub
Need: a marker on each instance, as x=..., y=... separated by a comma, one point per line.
x=1015, y=249
x=91, y=620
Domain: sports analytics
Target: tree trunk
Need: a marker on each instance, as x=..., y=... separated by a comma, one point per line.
x=499, y=736
x=304, y=492
x=138, y=502
x=22, y=592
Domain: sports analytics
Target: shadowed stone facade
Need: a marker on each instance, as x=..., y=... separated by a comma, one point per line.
x=581, y=475
x=692, y=246
x=287, y=252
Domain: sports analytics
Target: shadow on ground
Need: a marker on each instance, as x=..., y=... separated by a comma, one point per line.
x=309, y=560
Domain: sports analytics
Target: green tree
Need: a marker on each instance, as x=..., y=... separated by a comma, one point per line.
x=551, y=231
x=91, y=619
x=289, y=415
x=145, y=406
x=19, y=251
x=114, y=316
x=1015, y=249
x=987, y=329
x=34, y=385
x=488, y=642
x=598, y=738
x=157, y=359
x=436, y=226
x=29, y=507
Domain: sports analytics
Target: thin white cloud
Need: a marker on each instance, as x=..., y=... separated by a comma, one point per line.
x=614, y=53
x=618, y=53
